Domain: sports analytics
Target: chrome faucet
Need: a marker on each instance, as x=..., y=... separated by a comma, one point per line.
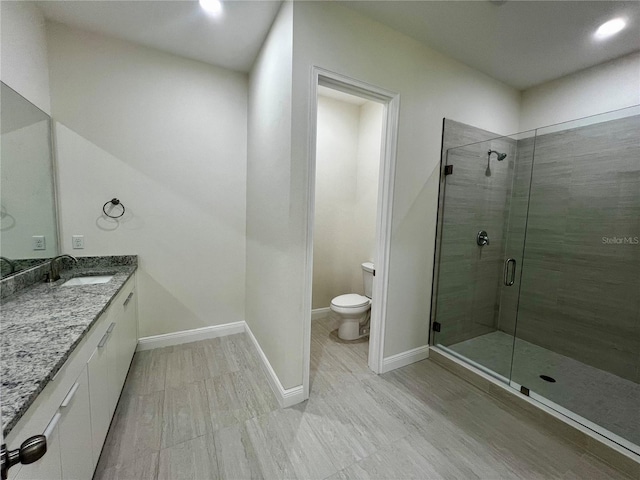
x=12, y=265
x=54, y=270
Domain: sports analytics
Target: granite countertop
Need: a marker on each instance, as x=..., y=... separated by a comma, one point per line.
x=41, y=326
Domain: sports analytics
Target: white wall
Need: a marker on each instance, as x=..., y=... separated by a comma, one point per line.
x=167, y=136
x=336, y=188
x=369, y=152
x=599, y=89
x=431, y=86
x=23, y=52
x=347, y=164
x=271, y=236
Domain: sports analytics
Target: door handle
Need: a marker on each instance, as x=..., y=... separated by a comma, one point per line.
x=127, y=300
x=509, y=281
x=69, y=397
x=52, y=425
x=103, y=340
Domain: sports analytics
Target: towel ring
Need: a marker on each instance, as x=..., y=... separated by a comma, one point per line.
x=114, y=202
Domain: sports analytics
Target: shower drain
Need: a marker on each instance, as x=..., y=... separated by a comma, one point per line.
x=547, y=378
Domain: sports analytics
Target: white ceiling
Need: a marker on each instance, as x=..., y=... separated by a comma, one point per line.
x=522, y=43
x=180, y=27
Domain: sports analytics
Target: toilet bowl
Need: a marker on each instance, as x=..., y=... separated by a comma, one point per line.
x=354, y=310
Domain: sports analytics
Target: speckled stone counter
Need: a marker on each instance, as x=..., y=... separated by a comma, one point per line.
x=42, y=324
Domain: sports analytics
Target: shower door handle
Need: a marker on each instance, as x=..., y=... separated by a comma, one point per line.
x=509, y=281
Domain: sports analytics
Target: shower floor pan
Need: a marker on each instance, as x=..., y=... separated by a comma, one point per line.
x=600, y=397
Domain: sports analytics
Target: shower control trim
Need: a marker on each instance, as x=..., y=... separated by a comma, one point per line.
x=509, y=279
x=482, y=238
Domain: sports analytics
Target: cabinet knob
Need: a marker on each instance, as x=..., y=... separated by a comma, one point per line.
x=31, y=450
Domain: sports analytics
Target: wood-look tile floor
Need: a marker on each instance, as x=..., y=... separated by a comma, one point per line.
x=205, y=411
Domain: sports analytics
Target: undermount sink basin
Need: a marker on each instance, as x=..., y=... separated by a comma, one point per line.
x=88, y=280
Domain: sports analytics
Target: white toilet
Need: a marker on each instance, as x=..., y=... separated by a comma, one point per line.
x=353, y=310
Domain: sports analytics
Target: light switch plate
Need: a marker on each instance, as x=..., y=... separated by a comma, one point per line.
x=77, y=242
x=39, y=242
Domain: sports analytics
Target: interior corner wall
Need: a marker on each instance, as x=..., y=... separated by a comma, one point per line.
x=431, y=86
x=603, y=88
x=23, y=52
x=347, y=164
x=334, y=237
x=369, y=155
x=167, y=136
x=274, y=277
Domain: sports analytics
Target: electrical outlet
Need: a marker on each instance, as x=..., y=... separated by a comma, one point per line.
x=77, y=242
x=39, y=242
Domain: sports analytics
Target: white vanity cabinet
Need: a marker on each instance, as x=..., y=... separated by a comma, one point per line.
x=49, y=467
x=109, y=364
x=128, y=335
x=75, y=431
x=113, y=351
x=76, y=407
x=99, y=399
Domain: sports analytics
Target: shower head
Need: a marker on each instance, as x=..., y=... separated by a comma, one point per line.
x=501, y=156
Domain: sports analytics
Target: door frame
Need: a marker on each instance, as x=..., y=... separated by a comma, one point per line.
x=391, y=103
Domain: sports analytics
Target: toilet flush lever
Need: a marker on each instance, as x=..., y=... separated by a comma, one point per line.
x=482, y=238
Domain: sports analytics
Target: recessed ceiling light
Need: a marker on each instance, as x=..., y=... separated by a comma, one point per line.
x=212, y=7
x=610, y=28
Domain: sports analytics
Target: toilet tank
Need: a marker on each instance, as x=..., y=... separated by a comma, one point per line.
x=367, y=278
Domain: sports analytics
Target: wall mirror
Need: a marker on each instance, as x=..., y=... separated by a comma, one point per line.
x=28, y=224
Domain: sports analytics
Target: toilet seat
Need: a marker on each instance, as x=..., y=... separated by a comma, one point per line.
x=350, y=300
x=350, y=304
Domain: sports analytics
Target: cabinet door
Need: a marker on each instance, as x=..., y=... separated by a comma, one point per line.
x=99, y=397
x=128, y=334
x=75, y=431
x=49, y=466
x=114, y=385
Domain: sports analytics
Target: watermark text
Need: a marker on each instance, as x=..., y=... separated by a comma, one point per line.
x=621, y=240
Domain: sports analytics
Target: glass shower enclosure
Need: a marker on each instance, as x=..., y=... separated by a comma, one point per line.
x=537, y=279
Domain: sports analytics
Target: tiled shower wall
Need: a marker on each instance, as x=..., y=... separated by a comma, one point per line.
x=468, y=289
x=580, y=292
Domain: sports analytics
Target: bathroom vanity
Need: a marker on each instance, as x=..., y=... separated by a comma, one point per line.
x=66, y=351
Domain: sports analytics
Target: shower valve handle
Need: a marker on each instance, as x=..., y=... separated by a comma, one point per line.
x=482, y=238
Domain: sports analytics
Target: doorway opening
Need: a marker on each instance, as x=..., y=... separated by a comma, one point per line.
x=353, y=129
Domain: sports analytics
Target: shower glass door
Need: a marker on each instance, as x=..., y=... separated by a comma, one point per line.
x=577, y=345
x=537, y=280
x=479, y=264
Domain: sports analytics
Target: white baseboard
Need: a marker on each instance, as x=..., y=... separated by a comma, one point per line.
x=318, y=313
x=188, y=336
x=405, y=358
x=287, y=397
